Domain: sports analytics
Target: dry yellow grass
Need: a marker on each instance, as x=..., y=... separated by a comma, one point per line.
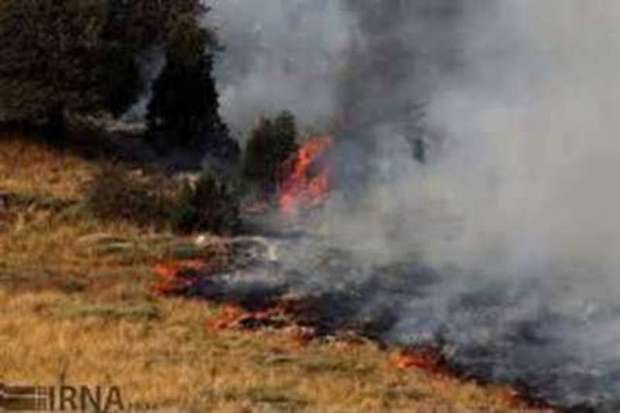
x=26, y=167
x=163, y=355
x=71, y=313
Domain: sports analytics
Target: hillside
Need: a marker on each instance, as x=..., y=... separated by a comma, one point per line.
x=77, y=307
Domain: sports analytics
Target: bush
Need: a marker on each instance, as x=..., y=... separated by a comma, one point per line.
x=272, y=142
x=209, y=205
x=116, y=196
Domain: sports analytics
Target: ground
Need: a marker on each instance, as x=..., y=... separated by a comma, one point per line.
x=78, y=312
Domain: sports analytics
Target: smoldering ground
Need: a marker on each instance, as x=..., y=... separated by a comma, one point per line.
x=515, y=208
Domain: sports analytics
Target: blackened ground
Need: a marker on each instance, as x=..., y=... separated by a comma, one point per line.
x=500, y=331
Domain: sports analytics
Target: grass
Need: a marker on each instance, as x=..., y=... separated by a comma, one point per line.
x=75, y=307
x=109, y=311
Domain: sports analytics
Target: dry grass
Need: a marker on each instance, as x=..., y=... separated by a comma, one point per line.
x=76, y=311
x=160, y=353
x=26, y=167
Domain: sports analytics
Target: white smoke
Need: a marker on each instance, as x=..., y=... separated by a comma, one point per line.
x=531, y=125
x=517, y=205
x=152, y=64
x=523, y=190
x=280, y=54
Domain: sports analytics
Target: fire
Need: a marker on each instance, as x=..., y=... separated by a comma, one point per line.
x=179, y=276
x=306, y=183
x=424, y=358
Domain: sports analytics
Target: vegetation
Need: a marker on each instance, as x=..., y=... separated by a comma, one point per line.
x=51, y=52
x=184, y=109
x=115, y=196
x=147, y=22
x=208, y=205
x=88, y=304
x=87, y=307
x=63, y=57
x=272, y=142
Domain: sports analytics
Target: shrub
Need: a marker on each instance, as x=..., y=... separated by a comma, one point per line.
x=209, y=205
x=114, y=195
x=272, y=142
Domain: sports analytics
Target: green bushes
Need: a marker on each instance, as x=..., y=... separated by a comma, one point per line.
x=272, y=142
x=207, y=205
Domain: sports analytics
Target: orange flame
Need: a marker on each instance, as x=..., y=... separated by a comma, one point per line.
x=424, y=358
x=177, y=276
x=306, y=182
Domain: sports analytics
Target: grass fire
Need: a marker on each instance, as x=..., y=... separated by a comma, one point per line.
x=309, y=206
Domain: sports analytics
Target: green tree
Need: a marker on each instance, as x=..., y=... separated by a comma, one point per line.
x=185, y=101
x=81, y=56
x=138, y=25
x=50, y=51
x=184, y=111
x=272, y=142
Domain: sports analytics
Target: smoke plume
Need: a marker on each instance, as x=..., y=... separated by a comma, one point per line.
x=280, y=54
x=515, y=205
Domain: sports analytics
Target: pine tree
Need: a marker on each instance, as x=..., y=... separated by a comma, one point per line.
x=184, y=111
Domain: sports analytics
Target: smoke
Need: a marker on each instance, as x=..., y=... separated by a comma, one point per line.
x=532, y=158
x=531, y=174
x=354, y=63
x=518, y=207
x=515, y=206
x=531, y=127
x=152, y=63
x=280, y=54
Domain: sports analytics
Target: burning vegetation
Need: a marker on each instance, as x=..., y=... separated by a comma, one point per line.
x=306, y=176
x=427, y=358
x=251, y=303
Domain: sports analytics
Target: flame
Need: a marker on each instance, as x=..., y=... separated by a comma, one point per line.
x=280, y=316
x=306, y=182
x=424, y=358
x=176, y=277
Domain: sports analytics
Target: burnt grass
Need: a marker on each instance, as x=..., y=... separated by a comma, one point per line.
x=332, y=314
